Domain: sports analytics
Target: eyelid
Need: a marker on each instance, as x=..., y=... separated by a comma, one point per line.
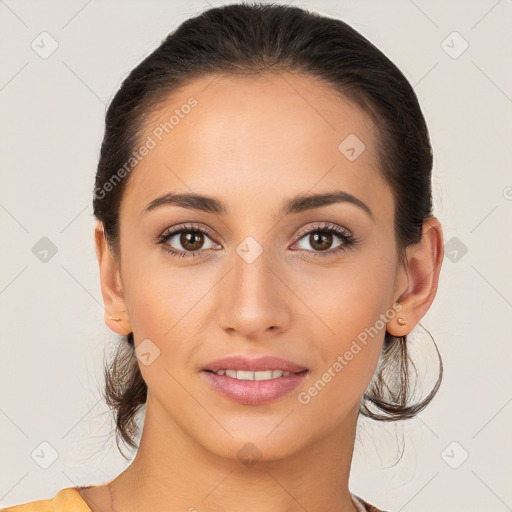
x=169, y=233
x=346, y=236
x=304, y=231
x=187, y=227
x=325, y=225
x=348, y=240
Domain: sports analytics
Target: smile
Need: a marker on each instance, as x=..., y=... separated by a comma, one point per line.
x=248, y=375
x=253, y=388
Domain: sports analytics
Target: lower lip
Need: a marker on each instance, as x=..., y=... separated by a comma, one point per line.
x=254, y=392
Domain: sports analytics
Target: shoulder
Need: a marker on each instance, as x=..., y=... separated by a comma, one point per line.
x=33, y=506
x=66, y=500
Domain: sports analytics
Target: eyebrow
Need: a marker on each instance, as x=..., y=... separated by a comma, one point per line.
x=296, y=204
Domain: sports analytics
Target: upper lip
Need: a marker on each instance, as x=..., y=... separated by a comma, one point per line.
x=237, y=362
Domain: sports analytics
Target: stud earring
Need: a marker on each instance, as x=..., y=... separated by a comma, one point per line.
x=400, y=321
x=114, y=318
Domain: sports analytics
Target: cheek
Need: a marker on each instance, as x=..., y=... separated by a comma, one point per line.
x=162, y=298
x=168, y=306
x=347, y=299
x=349, y=307
x=165, y=313
x=348, y=353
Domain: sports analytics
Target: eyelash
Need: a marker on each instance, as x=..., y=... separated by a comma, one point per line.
x=347, y=238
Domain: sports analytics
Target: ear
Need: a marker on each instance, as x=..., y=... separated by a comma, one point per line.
x=111, y=285
x=424, y=261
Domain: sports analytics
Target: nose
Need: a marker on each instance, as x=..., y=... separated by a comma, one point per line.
x=254, y=299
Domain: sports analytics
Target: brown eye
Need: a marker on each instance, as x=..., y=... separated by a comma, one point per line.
x=191, y=241
x=326, y=240
x=320, y=241
x=186, y=241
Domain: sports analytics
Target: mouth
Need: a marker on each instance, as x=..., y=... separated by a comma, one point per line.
x=253, y=380
x=256, y=375
x=244, y=363
x=253, y=388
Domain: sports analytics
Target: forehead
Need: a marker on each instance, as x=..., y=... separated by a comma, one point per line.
x=272, y=136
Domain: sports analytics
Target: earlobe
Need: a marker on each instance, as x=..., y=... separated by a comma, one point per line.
x=424, y=261
x=115, y=314
x=117, y=324
x=398, y=324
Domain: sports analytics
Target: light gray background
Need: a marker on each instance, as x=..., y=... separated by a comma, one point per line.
x=53, y=339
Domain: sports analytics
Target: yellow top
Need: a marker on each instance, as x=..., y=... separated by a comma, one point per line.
x=66, y=500
x=70, y=500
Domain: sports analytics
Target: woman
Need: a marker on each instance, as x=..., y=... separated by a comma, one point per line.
x=266, y=241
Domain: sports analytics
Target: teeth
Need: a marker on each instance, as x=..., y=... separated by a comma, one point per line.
x=247, y=375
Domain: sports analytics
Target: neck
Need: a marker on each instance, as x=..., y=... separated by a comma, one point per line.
x=172, y=471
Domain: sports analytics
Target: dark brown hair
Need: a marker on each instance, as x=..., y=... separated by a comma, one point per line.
x=245, y=39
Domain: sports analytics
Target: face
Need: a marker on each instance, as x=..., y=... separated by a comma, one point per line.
x=252, y=272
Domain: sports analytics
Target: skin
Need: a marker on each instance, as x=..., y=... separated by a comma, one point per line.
x=252, y=143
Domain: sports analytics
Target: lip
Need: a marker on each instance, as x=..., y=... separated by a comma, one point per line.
x=237, y=362
x=253, y=392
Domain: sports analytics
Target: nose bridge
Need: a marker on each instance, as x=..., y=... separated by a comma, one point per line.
x=252, y=295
